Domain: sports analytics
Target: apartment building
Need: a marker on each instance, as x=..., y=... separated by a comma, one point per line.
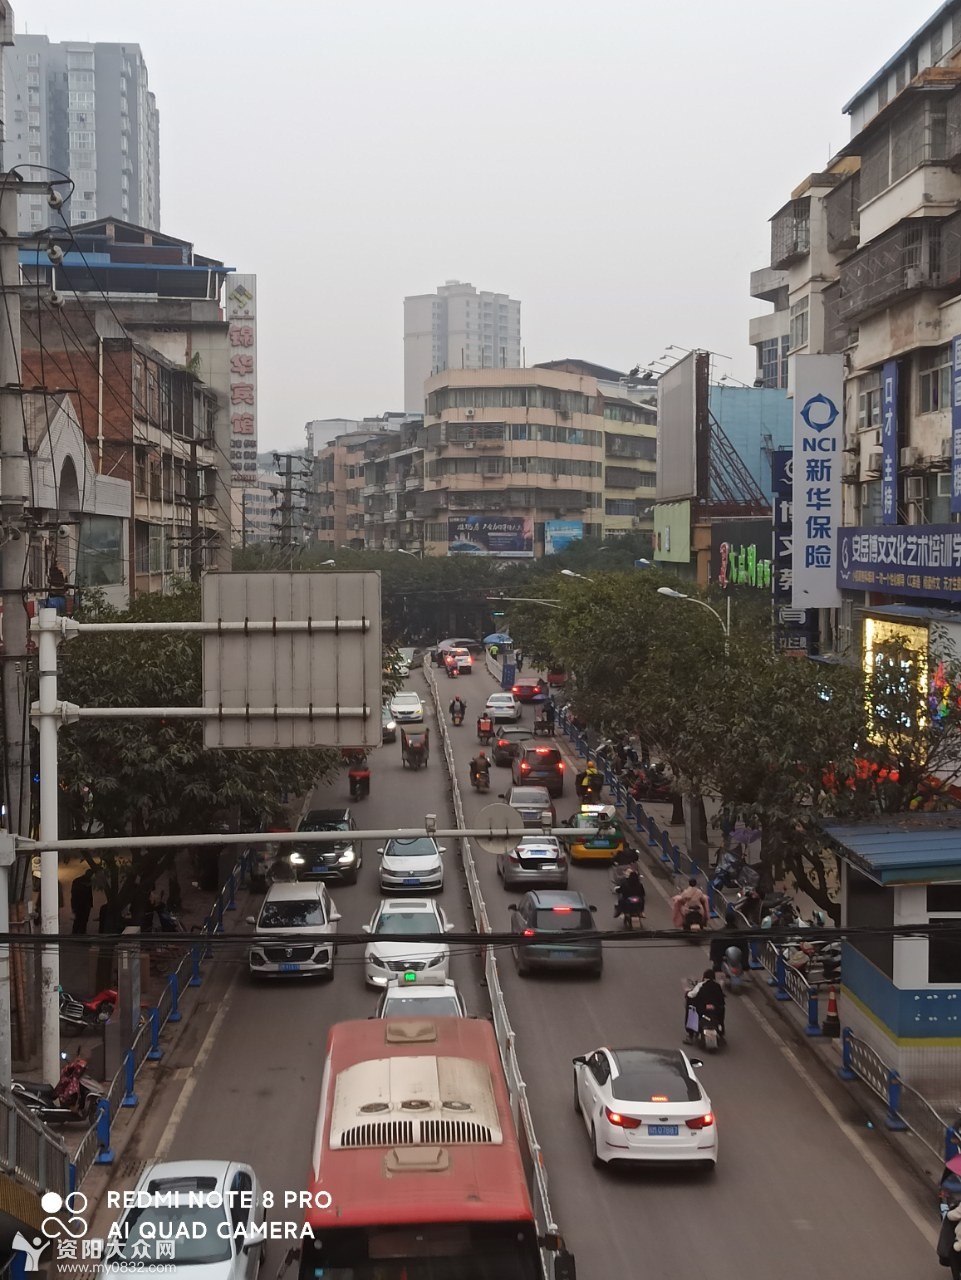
x=87, y=111
x=458, y=327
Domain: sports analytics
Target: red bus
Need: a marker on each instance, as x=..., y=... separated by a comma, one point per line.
x=416, y=1168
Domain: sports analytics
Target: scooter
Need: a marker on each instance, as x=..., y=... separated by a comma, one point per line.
x=481, y=780
x=632, y=909
x=82, y=1014
x=73, y=1098
x=693, y=923
x=457, y=717
x=359, y=785
x=732, y=968
x=709, y=1031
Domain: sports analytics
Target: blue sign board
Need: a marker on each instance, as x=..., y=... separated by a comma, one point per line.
x=889, y=442
x=956, y=426
x=915, y=560
x=559, y=534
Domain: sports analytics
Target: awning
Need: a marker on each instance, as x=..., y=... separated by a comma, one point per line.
x=904, y=848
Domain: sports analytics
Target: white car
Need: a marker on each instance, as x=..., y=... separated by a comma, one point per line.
x=503, y=706
x=421, y=995
x=416, y=917
x=407, y=708
x=412, y=862
x=644, y=1104
x=465, y=663
x=537, y=860
x=295, y=931
x=223, y=1239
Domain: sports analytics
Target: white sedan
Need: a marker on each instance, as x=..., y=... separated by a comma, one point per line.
x=407, y=708
x=644, y=1104
x=503, y=706
x=424, y=921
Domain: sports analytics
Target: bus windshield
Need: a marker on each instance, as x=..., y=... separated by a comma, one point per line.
x=436, y=1251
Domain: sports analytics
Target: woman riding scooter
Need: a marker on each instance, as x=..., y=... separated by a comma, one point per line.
x=690, y=910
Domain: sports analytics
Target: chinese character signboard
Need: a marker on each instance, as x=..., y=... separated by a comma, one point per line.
x=242, y=336
x=794, y=628
x=559, y=534
x=741, y=553
x=504, y=536
x=889, y=443
x=818, y=450
x=916, y=560
x=956, y=426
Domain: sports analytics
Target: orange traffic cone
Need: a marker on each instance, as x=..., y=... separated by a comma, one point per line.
x=831, y=1026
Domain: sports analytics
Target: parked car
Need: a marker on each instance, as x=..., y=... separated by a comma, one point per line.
x=543, y=765
x=340, y=860
x=421, y=995
x=528, y=688
x=407, y=708
x=644, y=1104
x=389, y=725
x=536, y=860
x=553, y=929
x=418, y=917
x=503, y=706
x=199, y=1205
x=508, y=742
x=530, y=803
x=304, y=910
x=412, y=862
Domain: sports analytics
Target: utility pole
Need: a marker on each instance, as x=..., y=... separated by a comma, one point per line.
x=193, y=496
x=287, y=498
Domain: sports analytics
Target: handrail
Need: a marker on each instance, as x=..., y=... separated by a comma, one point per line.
x=29, y=1151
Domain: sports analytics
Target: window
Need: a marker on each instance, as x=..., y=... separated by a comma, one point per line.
x=799, y=324
x=937, y=38
x=869, y=400
x=81, y=140
x=944, y=952
x=882, y=94
x=620, y=507
x=769, y=362
x=934, y=380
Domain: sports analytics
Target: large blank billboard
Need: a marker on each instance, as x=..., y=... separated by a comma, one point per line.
x=676, y=431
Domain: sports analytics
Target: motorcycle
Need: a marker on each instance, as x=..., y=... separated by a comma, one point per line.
x=733, y=872
x=82, y=1014
x=708, y=1034
x=457, y=716
x=480, y=780
x=359, y=785
x=73, y=1098
x=631, y=909
x=732, y=969
x=693, y=923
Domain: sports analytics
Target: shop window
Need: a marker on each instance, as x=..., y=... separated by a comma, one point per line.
x=944, y=951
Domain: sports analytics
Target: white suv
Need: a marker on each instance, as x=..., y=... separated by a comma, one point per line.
x=418, y=917
x=295, y=932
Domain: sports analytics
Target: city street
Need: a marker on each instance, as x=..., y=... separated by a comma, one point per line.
x=801, y=1184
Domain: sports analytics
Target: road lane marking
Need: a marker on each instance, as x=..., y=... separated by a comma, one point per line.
x=180, y=1106
x=864, y=1151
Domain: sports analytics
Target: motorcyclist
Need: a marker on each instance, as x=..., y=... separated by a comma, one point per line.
x=691, y=899
x=630, y=887
x=457, y=706
x=726, y=938
x=485, y=724
x=480, y=766
x=590, y=782
x=708, y=992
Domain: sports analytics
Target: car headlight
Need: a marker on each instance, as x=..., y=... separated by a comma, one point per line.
x=296, y=860
x=377, y=963
x=347, y=856
x=391, y=725
x=432, y=964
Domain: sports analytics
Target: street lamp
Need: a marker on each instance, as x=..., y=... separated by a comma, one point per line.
x=569, y=573
x=549, y=604
x=725, y=626
x=326, y=562
x=402, y=551
x=643, y=564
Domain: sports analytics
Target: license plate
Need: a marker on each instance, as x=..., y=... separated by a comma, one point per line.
x=662, y=1130
x=559, y=955
x=290, y=968
x=411, y=880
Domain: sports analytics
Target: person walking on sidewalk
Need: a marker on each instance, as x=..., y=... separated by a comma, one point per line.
x=81, y=901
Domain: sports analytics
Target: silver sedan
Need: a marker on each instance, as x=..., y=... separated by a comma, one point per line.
x=537, y=860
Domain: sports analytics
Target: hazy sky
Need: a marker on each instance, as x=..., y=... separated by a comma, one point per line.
x=612, y=165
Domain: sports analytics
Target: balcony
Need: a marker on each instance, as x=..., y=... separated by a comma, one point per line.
x=369, y=490
x=791, y=233
x=414, y=482
x=843, y=219
x=770, y=286
x=903, y=261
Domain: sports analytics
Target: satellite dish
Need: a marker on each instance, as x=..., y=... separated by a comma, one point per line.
x=506, y=828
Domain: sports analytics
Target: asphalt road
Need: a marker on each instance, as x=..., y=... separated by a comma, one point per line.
x=801, y=1185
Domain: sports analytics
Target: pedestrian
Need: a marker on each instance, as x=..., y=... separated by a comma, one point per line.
x=549, y=713
x=81, y=901
x=519, y=662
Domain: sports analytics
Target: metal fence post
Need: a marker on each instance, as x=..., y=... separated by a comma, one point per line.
x=652, y=839
x=665, y=847
x=220, y=912
x=194, y=967
x=231, y=891
x=952, y=1143
x=155, y=1053
x=104, y=1154
x=893, y=1119
x=710, y=900
x=71, y=1177
x=208, y=930
x=846, y=1069
x=813, y=1027
x=244, y=864
x=780, y=974
x=676, y=858
x=130, y=1099
x=630, y=809
x=754, y=949
x=174, y=983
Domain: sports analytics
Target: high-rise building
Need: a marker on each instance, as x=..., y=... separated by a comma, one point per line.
x=458, y=327
x=85, y=110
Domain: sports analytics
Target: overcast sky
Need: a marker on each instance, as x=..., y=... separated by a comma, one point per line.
x=612, y=165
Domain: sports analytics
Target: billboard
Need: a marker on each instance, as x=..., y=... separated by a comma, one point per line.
x=889, y=442
x=741, y=553
x=683, y=438
x=507, y=537
x=242, y=389
x=672, y=532
x=918, y=560
x=818, y=451
x=795, y=630
x=559, y=534
x=955, y=426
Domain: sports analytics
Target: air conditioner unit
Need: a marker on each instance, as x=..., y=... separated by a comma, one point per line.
x=470, y=444
x=910, y=456
x=914, y=488
x=912, y=277
x=876, y=461
x=468, y=413
x=946, y=450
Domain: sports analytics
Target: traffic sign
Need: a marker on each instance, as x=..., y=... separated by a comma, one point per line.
x=506, y=828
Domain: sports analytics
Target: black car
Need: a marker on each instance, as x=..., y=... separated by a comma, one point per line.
x=541, y=766
x=337, y=860
x=555, y=930
x=507, y=743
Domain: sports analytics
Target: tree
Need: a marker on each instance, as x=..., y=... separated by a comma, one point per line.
x=154, y=777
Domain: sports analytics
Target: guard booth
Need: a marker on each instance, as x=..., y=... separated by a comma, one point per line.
x=903, y=995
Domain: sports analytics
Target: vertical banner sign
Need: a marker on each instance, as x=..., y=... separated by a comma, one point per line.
x=889, y=443
x=956, y=425
x=242, y=336
x=792, y=627
x=818, y=450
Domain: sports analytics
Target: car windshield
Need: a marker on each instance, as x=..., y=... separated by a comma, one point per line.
x=418, y=1006
x=408, y=923
x=292, y=915
x=406, y=700
x=193, y=1231
x=644, y=1078
x=417, y=847
x=324, y=824
x=531, y=795
x=565, y=920
x=500, y=700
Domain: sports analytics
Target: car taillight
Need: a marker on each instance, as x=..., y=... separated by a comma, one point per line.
x=513, y=858
x=528, y=933
x=702, y=1122
x=515, y=691
x=560, y=766
x=623, y=1122
x=525, y=767
x=562, y=910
